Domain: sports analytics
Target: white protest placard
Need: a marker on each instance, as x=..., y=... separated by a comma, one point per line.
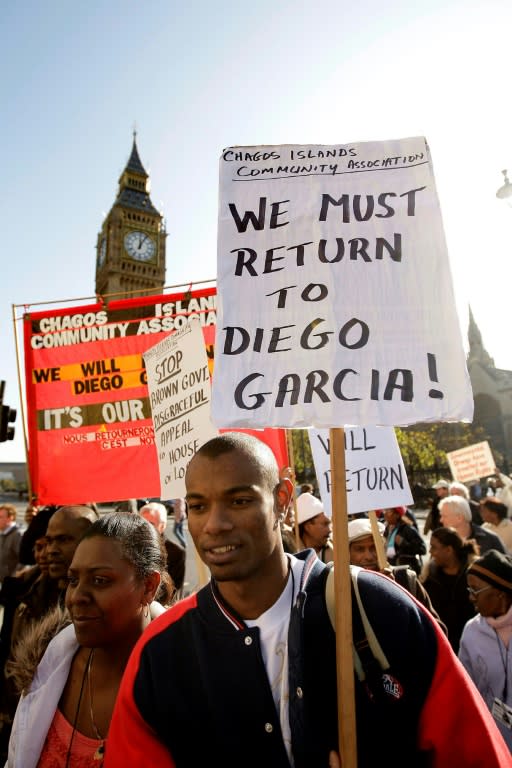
x=180, y=396
x=374, y=469
x=335, y=293
x=472, y=462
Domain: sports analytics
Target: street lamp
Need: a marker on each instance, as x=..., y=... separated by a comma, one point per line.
x=505, y=192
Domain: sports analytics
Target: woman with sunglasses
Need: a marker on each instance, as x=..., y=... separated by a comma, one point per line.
x=486, y=643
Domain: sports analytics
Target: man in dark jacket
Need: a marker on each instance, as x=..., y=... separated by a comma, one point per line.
x=456, y=513
x=244, y=671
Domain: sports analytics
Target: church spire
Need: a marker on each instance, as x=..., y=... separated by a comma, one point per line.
x=134, y=164
x=134, y=183
x=477, y=351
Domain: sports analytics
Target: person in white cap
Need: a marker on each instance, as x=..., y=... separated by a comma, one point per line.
x=363, y=552
x=314, y=526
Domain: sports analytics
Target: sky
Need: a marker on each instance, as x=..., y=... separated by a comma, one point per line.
x=197, y=77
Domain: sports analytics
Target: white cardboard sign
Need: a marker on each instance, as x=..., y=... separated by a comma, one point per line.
x=472, y=462
x=375, y=475
x=336, y=303
x=180, y=396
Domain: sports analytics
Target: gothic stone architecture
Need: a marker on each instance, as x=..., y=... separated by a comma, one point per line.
x=130, y=258
x=492, y=392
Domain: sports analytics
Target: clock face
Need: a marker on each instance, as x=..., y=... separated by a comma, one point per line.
x=102, y=253
x=139, y=246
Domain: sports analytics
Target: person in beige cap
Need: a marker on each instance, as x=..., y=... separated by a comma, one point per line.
x=363, y=552
x=314, y=526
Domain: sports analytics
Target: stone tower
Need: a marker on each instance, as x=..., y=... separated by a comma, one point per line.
x=492, y=393
x=130, y=251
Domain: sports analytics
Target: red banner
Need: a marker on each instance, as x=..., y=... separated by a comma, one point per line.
x=90, y=432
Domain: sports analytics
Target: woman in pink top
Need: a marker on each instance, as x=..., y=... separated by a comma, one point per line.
x=63, y=718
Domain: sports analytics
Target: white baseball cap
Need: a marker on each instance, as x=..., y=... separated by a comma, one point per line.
x=308, y=506
x=361, y=527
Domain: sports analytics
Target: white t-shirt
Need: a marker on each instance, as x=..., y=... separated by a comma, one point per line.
x=273, y=626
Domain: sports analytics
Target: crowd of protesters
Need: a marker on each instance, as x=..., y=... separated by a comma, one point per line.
x=96, y=627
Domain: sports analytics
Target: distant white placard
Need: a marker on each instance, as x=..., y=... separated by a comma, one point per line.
x=336, y=303
x=374, y=469
x=180, y=396
x=471, y=463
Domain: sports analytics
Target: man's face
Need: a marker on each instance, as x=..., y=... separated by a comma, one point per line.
x=449, y=517
x=442, y=492
x=153, y=518
x=363, y=553
x=5, y=520
x=231, y=516
x=318, y=530
x=62, y=537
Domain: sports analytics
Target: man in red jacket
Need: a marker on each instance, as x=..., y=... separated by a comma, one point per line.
x=244, y=671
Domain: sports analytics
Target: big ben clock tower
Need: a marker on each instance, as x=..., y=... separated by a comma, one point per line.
x=130, y=251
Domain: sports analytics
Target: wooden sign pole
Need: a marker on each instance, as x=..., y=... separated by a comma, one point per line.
x=379, y=544
x=343, y=603
x=291, y=461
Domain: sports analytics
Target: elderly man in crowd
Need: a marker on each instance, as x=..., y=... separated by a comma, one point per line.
x=459, y=489
x=156, y=514
x=456, y=513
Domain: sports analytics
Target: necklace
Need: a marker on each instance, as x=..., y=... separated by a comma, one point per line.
x=100, y=752
x=77, y=711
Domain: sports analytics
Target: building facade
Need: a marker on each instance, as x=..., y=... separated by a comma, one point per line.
x=492, y=393
x=130, y=250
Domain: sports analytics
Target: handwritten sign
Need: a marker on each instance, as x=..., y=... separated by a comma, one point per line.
x=179, y=387
x=374, y=469
x=472, y=462
x=330, y=262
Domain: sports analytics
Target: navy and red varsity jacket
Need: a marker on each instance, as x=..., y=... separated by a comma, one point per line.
x=195, y=691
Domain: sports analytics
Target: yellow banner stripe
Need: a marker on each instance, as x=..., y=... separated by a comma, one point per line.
x=90, y=369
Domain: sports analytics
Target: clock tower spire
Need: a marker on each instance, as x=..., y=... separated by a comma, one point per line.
x=130, y=250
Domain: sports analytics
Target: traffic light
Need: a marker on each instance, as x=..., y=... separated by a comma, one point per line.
x=7, y=417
